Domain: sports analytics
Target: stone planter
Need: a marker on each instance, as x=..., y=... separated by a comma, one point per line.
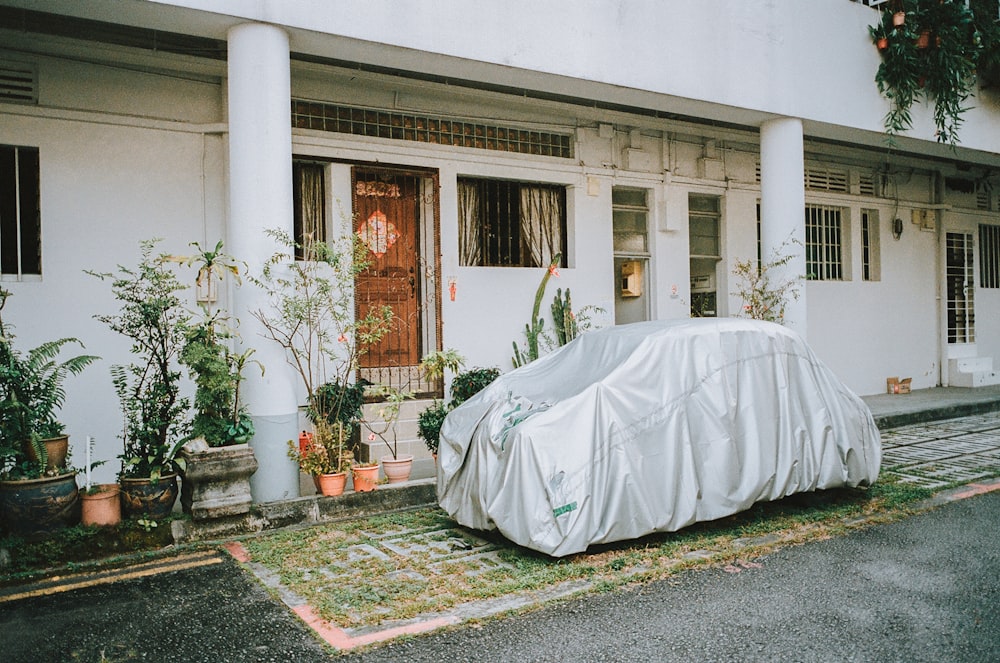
x=216, y=480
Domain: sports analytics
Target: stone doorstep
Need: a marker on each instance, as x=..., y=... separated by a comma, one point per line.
x=310, y=510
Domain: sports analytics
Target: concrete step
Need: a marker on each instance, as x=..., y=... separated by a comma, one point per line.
x=972, y=372
x=404, y=431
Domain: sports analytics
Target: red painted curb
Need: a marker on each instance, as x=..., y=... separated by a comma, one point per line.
x=238, y=552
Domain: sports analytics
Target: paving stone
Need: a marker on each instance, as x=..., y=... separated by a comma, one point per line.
x=435, y=544
x=475, y=565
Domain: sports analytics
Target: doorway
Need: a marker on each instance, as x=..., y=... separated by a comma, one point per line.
x=395, y=214
x=960, y=288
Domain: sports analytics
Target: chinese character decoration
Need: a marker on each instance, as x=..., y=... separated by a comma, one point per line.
x=378, y=233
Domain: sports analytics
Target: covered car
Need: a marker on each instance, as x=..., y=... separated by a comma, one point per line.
x=650, y=427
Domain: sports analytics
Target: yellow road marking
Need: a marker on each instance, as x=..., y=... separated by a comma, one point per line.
x=108, y=577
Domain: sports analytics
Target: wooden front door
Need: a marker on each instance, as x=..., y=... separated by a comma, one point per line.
x=387, y=206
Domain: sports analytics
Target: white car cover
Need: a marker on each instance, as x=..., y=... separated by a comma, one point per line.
x=650, y=427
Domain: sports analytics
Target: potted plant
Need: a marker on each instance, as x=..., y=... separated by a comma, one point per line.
x=311, y=314
x=38, y=493
x=934, y=52
x=396, y=467
x=218, y=460
x=326, y=457
x=153, y=411
x=100, y=503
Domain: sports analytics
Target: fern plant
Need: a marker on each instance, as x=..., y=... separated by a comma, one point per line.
x=32, y=392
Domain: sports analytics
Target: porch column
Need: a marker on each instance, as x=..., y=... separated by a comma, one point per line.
x=782, y=208
x=260, y=197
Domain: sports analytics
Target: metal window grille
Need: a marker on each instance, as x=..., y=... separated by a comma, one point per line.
x=989, y=256
x=866, y=248
x=20, y=211
x=428, y=129
x=824, y=243
x=960, y=288
x=500, y=241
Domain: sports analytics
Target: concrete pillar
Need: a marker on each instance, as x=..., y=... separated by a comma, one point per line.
x=782, y=209
x=260, y=198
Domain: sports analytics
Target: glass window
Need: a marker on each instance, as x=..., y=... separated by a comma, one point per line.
x=20, y=211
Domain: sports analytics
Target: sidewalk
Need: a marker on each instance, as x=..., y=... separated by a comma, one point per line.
x=923, y=405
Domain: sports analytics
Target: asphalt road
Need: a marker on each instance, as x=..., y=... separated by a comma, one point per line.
x=923, y=589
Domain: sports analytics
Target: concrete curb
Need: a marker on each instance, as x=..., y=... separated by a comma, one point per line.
x=922, y=416
x=310, y=510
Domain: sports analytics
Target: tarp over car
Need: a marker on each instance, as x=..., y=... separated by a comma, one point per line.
x=650, y=427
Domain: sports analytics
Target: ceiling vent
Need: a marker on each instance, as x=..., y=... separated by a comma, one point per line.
x=18, y=82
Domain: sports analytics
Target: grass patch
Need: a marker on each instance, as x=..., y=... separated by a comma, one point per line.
x=78, y=546
x=397, y=566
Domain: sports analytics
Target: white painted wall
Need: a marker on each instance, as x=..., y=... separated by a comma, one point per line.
x=105, y=186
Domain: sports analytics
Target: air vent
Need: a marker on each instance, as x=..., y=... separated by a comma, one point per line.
x=826, y=179
x=866, y=185
x=983, y=195
x=18, y=83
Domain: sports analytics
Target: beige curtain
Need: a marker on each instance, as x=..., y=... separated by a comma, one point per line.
x=541, y=215
x=470, y=224
x=310, y=195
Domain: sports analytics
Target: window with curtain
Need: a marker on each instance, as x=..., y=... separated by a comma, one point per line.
x=309, y=200
x=504, y=223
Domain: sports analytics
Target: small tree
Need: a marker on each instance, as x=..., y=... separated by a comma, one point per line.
x=311, y=314
x=764, y=295
x=152, y=318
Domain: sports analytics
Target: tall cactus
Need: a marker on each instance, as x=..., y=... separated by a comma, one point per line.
x=563, y=318
x=533, y=330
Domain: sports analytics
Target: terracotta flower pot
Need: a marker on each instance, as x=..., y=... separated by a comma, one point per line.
x=56, y=448
x=365, y=478
x=898, y=19
x=101, y=507
x=332, y=484
x=397, y=470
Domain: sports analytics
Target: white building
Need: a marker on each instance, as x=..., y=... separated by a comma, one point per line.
x=647, y=137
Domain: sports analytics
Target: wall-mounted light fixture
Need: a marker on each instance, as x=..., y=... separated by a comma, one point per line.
x=897, y=228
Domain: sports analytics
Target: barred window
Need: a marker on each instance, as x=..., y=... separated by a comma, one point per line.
x=989, y=256
x=871, y=268
x=504, y=223
x=824, y=243
x=20, y=211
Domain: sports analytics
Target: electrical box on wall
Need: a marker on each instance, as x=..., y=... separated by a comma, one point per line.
x=631, y=278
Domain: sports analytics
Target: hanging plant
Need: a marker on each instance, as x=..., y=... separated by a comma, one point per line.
x=934, y=52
